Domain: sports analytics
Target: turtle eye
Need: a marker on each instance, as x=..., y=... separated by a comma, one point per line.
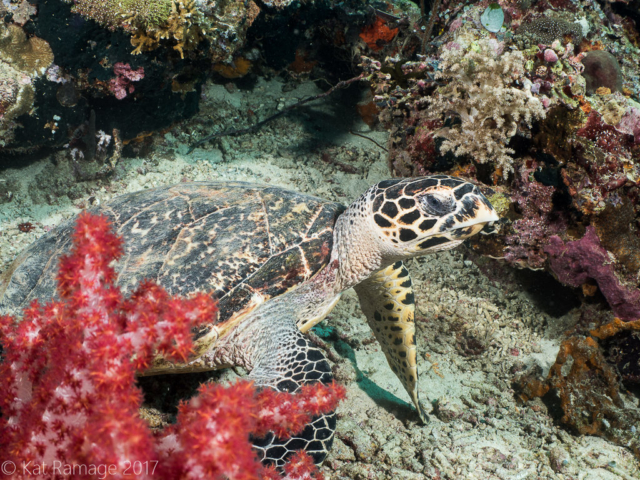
x=437, y=205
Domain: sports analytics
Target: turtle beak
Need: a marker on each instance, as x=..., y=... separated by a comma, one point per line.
x=487, y=217
x=484, y=214
x=482, y=220
x=489, y=229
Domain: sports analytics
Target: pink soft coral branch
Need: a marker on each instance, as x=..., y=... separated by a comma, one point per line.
x=121, y=84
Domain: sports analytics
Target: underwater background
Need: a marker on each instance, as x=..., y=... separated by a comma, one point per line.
x=528, y=339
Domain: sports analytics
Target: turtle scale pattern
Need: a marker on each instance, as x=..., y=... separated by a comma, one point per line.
x=234, y=239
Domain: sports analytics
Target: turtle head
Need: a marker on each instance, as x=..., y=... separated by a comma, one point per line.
x=428, y=214
x=402, y=218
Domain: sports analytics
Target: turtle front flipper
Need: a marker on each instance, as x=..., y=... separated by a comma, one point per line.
x=387, y=301
x=286, y=361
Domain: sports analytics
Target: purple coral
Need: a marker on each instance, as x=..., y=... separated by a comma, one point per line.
x=576, y=262
x=533, y=201
x=630, y=124
x=121, y=84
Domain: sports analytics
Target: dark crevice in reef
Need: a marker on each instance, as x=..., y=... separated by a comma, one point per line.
x=547, y=293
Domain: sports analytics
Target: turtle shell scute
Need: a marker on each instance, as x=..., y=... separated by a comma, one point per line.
x=236, y=240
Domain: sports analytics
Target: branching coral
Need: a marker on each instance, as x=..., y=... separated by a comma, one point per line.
x=481, y=92
x=185, y=23
x=69, y=401
x=149, y=21
x=22, y=60
x=114, y=13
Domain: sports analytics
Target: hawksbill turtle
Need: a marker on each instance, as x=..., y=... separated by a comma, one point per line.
x=278, y=262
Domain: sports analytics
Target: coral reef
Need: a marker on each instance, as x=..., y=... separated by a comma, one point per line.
x=177, y=43
x=545, y=111
x=68, y=374
x=133, y=13
x=480, y=94
x=22, y=61
x=53, y=101
x=183, y=23
x=587, y=391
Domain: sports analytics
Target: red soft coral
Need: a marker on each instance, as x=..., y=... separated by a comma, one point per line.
x=68, y=372
x=69, y=401
x=212, y=427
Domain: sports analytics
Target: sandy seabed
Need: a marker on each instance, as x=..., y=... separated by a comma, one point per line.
x=479, y=430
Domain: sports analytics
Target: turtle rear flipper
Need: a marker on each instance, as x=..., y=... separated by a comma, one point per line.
x=387, y=300
x=285, y=360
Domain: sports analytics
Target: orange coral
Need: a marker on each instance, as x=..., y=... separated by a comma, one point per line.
x=588, y=389
x=239, y=68
x=584, y=105
x=368, y=110
x=613, y=327
x=377, y=34
x=587, y=46
x=301, y=64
